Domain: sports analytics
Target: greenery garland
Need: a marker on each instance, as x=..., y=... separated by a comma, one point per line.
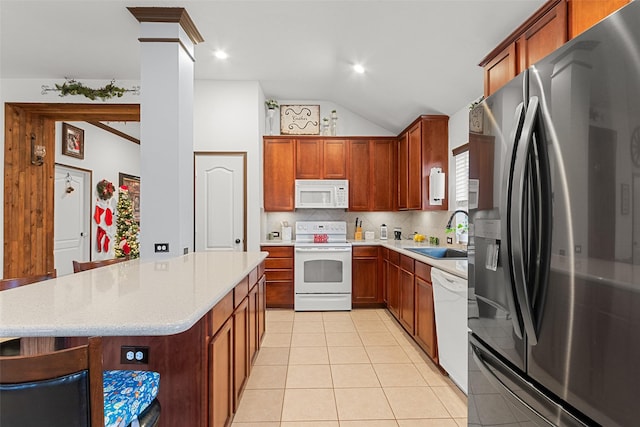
x=74, y=87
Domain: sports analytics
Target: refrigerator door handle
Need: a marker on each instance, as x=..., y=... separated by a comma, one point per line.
x=516, y=219
x=505, y=208
x=511, y=385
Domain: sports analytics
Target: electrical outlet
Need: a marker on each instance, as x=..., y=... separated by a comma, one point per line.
x=161, y=247
x=185, y=251
x=134, y=355
x=450, y=240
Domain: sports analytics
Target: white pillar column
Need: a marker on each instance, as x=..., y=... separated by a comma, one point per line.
x=167, y=37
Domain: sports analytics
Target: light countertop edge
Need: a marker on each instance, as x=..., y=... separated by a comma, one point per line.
x=135, y=297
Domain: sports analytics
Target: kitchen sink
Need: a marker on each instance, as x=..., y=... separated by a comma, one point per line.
x=440, y=253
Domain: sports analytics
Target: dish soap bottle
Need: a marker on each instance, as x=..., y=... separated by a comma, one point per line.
x=383, y=232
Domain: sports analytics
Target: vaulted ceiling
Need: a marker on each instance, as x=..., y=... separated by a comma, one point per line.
x=420, y=56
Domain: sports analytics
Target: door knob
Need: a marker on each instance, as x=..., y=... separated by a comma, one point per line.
x=237, y=241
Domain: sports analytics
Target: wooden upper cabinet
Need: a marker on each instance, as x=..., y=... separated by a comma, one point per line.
x=543, y=37
x=403, y=171
x=372, y=174
x=585, y=13
x=423, y=146
x=309, y=159
x=359, y=176
x=500, y=69
x=383, y=176
x=279, y=174
x=414, y=168
x=552, y=25
x=321, y=159
x=335, y=159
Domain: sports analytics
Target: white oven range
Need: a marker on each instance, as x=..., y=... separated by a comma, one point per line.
x=322, y=279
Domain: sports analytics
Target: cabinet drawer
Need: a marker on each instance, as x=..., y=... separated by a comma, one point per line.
x=279, y=263
x=279, y=251
x=406, y=263
x=385, y=253
x=221, y=312
x=394, y=257
x=261, y=269
x=279, y=294
x=423, y=271
x=275, y=275
x=365, y=251
x=240, y=291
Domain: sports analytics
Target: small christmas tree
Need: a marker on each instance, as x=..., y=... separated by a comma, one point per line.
x=126, y=241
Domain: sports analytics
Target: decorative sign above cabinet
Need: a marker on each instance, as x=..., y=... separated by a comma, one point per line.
x=300, y=119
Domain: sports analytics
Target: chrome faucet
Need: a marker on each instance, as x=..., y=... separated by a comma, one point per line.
x=453, y=215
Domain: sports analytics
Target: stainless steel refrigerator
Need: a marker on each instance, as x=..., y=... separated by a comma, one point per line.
x=554, y=265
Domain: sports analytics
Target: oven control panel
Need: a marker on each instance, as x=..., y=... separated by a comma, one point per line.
x=321, y=227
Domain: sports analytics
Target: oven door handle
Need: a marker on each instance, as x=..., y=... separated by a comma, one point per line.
x=323, y=250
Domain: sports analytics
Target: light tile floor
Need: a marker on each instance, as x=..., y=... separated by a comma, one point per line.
x=345, y=369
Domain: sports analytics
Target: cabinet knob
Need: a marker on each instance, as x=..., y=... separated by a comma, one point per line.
x=237, y=241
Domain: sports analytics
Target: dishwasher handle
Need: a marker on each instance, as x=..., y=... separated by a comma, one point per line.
x=451, y=283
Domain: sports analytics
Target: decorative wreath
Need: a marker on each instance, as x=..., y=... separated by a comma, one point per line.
x=105, y=189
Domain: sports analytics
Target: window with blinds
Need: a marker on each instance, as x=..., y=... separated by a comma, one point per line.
x=462, y=179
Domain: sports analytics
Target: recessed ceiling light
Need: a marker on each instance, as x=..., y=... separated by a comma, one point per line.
x=221, y=54
x=358, y=68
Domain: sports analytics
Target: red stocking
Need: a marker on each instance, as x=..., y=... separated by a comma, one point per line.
x=108, y=217
x=98, y=214
x=100, y=235
x=105, y=247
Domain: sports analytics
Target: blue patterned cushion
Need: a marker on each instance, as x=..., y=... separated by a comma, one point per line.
x=127, y=394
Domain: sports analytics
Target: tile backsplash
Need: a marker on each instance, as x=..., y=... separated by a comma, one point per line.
x=427, y=223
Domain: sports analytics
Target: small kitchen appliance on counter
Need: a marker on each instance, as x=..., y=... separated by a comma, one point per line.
x=383, y=232
x=397, y=233
x=322, y=261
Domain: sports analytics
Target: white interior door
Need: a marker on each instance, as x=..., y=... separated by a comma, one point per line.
x=220, y=202
x=72, y=213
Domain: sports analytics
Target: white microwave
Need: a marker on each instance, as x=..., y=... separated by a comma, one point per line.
x=322, y=193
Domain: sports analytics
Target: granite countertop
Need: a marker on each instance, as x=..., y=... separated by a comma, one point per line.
x=456, y=267
x=129, y=298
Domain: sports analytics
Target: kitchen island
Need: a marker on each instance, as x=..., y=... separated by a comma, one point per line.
x=198, y=318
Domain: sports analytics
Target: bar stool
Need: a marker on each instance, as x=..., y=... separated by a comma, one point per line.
x=67, y=388
x=90, y=265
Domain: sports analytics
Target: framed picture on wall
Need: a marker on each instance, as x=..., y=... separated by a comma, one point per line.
x=300, y=119
x=72, y=141
x=133, y=184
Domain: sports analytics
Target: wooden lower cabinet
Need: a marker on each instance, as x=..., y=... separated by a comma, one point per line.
x=262, y=305
x=240, y=350
x=425, y=330
x=366, y=280
x=221, y=376
x=409, y=298
x=279, y=276
x=393, y=287
x=407, y=295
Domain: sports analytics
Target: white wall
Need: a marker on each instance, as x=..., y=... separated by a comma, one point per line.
x=106, y=155
x=458, y=135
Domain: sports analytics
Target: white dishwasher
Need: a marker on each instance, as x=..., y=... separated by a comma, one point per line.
x=450, y=304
